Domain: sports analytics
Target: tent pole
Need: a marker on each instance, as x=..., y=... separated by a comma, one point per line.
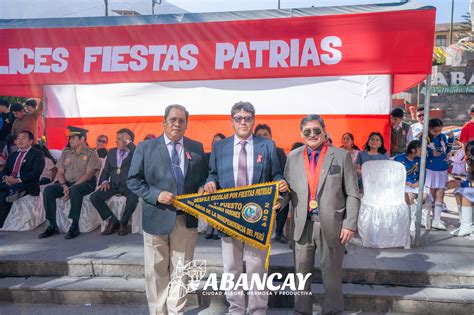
x=424, y=145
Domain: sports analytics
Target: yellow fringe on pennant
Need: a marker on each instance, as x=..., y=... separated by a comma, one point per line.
x=219, y=226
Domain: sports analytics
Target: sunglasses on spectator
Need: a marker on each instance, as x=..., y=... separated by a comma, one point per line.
x=308, y=132
x=238, y=119
x=420, y=115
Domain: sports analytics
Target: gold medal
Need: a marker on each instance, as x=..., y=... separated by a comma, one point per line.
x=118, y=171
x=313, y=204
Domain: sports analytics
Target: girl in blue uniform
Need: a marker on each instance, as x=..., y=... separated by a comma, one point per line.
x=411, y=160
x=437, y=167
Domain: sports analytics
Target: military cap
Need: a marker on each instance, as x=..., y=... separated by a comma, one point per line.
x=76, y=131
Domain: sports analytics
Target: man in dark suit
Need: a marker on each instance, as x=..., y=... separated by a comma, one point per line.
x=21, y=173
x=113, y=181
x=264, y=130
x=161, y=169
x=242, y=160
x=325, y=202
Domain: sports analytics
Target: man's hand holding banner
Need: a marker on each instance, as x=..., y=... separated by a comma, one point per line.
x=244, y=212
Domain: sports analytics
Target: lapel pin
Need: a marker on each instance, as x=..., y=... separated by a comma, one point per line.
x=188, y=155
x=259, y=158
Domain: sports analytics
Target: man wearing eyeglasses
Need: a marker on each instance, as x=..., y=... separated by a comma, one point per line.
x=161, y=169
x=242, y=160
x=417, y=128
x=325, y=202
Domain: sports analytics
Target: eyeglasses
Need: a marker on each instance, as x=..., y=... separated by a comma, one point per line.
x=420, y=115
x=308, y=132
x=238, y=119
x=102, y=140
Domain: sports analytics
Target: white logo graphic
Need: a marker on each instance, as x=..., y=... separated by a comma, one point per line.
x=186, y=278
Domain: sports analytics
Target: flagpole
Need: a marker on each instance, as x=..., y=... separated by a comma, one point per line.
x=424, y=149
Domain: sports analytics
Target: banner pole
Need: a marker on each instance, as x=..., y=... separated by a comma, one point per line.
x=424, y=147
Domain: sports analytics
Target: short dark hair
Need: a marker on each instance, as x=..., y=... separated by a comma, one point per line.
x=246, y=106
x=296, y=145
x=413, y=145
x=397, y=113
x=128, y=132
x=176, y=106
x=103, y=136
x=435, y=122
x=16, y=107
x=4, y=103
x=29, y=133
x=220, y=135
x=312, y=117
x=263, y=127
x=471, y=108
x=420, y=109
x=31, y=102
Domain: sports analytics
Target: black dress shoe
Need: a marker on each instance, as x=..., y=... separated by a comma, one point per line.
x=208, y=236
x=110, y=228
x=72, y=233
x=216, y=237
x=50, y=231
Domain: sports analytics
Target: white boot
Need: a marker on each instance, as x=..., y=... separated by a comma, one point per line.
x=466, y=222
x=437, y=223
x=413, y=217
x=458, y=225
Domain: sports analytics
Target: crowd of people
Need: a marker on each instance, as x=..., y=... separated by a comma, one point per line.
x=157, y=169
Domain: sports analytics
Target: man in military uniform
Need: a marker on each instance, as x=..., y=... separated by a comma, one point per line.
x=76, y=178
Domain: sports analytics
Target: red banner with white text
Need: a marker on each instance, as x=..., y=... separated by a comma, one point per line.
x=350, y=44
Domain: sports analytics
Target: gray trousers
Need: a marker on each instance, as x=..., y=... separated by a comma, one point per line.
x=331, y=270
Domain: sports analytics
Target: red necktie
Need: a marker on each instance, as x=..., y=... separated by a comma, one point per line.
x=313, y=161
x=17, y=166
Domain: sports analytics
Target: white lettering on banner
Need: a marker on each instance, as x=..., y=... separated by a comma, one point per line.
x=137, y=57
x=36, y=60
x=457, y=78
x=229, y=283
x=278, y=52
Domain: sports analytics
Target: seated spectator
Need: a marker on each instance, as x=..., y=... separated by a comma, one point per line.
x=113, y=181
x=6, y=122
x=296, y=145
x=373, y=150
x=24, y=120
x=411, y=160
x=349, y=145
x=464, y=194
x=101, y=146
x=439, y=146
x=50, y=170
x=400, y=132
x=77, y=170
x=21, y=173
x=210, y=231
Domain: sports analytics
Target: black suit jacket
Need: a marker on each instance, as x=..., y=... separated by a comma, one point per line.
x=30, y=170
x=109, y=173
x=151, y=173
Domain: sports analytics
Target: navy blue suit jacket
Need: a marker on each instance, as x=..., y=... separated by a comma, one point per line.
x=265, y=169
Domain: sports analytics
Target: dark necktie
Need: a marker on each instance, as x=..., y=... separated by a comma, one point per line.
x=242, y=177
x=178, y=173
x=16, y=167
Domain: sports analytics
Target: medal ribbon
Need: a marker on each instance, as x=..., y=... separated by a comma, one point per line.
x=313, y=177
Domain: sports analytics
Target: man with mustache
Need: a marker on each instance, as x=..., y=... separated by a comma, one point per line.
x=325, y=202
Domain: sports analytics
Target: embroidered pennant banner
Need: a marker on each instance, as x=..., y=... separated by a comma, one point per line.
x=244, y=212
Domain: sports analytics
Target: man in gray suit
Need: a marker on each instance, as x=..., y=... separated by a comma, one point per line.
x=325, y=202
x=161, y=169
x=242, y=160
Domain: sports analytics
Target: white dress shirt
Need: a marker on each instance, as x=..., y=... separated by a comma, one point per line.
x=249, y=148
x=179, y=148
x=415, y=130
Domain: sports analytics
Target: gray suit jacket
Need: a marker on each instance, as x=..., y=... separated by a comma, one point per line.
x=151, y=172
x=337, y=194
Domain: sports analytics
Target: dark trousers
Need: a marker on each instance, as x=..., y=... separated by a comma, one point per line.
x=76, y=194
x=5, y=207
x=281, y=220
x=99, y=198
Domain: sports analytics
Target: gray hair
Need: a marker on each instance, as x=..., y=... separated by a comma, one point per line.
x=246, y=106
x=176, y=106
x=312, y=117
